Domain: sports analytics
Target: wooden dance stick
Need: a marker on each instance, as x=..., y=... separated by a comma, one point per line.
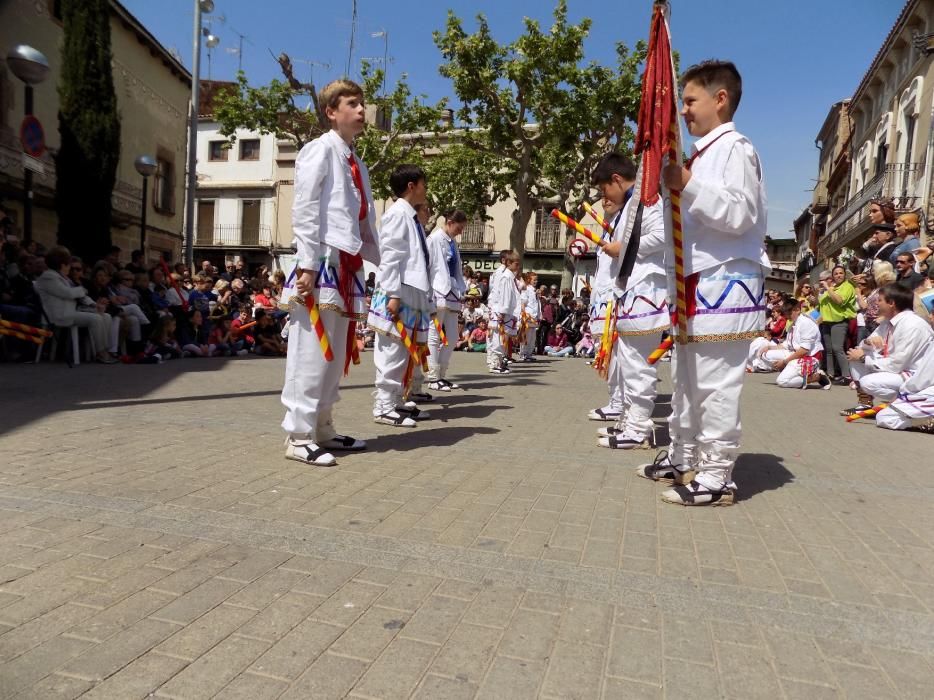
x=868, y=413
x=407, y=341
x=38, y=340
x=659, y=352
x=596, y=217
x=578, y=228
x=245, y=326
x=23, y=328
x=318, y=325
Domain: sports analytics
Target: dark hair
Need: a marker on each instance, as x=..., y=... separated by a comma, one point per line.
x=136, y=254
x=713, y=75
x=114, y=249
x=504, y=253
x=887, y=206
x=789, y=305
x=613, y=164
x=57, y=256
x=456, y=216
x=258, y=314
x=903, y=299
x=404, y=174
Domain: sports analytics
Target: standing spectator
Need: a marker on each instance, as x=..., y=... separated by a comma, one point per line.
x=807, y=296
x=907, y=277
x=837, y=307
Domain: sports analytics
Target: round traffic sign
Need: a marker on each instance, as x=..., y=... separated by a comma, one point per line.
x=32, y=137
x=577, y=247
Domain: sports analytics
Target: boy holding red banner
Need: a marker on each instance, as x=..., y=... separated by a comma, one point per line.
x=401, y=307
x=723, y=209
x=641, y=307
x=335, y=230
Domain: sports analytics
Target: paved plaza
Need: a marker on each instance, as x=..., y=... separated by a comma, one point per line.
x=155, y=543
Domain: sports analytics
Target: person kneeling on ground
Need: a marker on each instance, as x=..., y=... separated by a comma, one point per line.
x=798, y=358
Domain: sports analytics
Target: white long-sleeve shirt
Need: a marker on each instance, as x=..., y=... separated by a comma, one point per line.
x=326, y=209
x=905, y=340
x=530, y=303
x=402, y=257
x=652, y=243
x=506, y=300
x=923, y=377
x=444, y=256
x=724, y=206
x=804, y=335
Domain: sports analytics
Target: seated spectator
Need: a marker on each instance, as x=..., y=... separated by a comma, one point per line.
x=478, y=337
x=896, y=347
x=60, y=301
x=193, y=336
x=136, y=264
x=222, y=338
x=241, y=328
x=225, y=297
x=558, y=345
x=797, y=358
x=268, y=339
x=775, y=328
x=162, y=344
x=18, y=299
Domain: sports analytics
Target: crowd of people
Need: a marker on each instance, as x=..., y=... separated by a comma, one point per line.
x=142, y=314
x=866, y=325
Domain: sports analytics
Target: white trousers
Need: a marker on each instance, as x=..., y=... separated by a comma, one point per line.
x=98, y=326
x=391, y=358
x=311, y=382
x=773, y=354
x=894, y=420
x=638, y=381
x=439, y=356
x=791, y=377
x=705, y=422
x=527, y=348
x=880, y=385
x=614, y=381
x=495, y=349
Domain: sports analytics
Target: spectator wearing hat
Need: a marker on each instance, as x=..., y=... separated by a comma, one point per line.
x=879, y=246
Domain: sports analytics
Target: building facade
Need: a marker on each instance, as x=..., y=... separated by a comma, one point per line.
x=887, y=136
x=153, y=91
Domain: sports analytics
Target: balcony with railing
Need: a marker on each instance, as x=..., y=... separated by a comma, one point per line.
x=234, y=236
x=477, y=235
x=900, y=181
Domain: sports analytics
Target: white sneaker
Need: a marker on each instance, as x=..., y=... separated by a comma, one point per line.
x=695, y=494
x=605, y=414
x=394, y=419
x=308, y=452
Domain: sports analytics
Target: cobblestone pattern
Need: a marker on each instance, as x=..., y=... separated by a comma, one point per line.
x=153, y=542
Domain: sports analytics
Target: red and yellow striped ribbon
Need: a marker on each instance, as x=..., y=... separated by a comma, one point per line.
x=318, y=325
x=674, y=156
x=441, y=334
x=38, y=340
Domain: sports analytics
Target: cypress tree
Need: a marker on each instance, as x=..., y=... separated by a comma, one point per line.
x=89, y=126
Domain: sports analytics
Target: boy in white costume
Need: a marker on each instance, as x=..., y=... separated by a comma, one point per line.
x=892, y=352
x=335, y=230
x=641, y=304
x=914, y=404
x=448, y=289
x=402, y=295
x=492, y=291
x=797, y=360
x=530, y=317
x=723, y=208
x=504, y=307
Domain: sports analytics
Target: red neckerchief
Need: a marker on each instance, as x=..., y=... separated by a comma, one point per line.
x=697, y=154
x=349, y=265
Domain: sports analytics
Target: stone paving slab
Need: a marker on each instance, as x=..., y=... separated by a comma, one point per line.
x=154, y=543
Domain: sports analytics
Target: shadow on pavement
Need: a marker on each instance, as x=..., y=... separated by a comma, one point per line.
x=465, y=411
x=755, y=473
x=458, y=398
x=427, y=437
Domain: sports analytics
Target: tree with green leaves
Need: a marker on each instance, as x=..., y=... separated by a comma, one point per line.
x=289, y=109
x=536, y=109
x=89, y=125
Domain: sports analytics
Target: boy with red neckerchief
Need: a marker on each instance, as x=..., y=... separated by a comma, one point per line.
x=723, y=207
x=335, y=230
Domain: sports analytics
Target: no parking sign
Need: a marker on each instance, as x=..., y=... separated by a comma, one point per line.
x=32, y=137
x=577, y=247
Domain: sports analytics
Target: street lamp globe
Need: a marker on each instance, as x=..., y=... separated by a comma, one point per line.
x=145, y=165
x=207, y=6
x=28, y=64
x=212, y=40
